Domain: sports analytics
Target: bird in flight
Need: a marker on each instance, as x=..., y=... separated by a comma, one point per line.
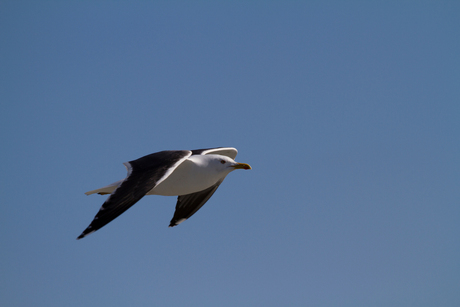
x=192, y=175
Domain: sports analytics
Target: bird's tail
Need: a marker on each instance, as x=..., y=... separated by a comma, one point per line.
x=105, y=190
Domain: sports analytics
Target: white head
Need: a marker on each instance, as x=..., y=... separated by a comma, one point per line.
x=220, y=163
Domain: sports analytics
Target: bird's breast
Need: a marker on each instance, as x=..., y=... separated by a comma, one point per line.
x=187, y=178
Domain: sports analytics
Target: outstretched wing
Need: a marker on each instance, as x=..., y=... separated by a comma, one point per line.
x=188, y=204
x=225, y=151
x=143, y=175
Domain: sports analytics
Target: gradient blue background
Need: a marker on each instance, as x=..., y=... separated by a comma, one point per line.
x=348, y=112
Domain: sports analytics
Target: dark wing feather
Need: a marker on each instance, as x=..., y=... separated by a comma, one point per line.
x=188, y=204
x=144, y=174
x=225, y=151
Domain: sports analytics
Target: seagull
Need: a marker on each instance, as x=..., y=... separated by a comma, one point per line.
x=192, y=175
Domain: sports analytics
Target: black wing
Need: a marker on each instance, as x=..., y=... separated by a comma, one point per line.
x=188, y=204
x=143, y=175
x=225, y=151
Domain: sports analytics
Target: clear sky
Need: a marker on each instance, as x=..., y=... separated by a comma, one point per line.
x=348, y=112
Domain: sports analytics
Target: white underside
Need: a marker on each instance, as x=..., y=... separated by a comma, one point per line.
x=189, y=177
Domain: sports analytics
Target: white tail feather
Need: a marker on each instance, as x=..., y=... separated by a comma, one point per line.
x=106, y=190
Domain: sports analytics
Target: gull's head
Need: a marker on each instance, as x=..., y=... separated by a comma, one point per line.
x=224, y=163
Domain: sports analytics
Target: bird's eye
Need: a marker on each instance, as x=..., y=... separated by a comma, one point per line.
x=222, y=161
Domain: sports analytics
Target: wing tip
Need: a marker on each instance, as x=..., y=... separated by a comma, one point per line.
x=85, y=233
x=174, y=222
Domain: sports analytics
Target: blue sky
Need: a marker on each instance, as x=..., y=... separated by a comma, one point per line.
x=348, y=112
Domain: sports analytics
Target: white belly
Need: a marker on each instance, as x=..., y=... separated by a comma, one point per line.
x=187, y=178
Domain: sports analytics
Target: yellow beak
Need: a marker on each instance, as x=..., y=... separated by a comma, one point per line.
x=242, y=165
